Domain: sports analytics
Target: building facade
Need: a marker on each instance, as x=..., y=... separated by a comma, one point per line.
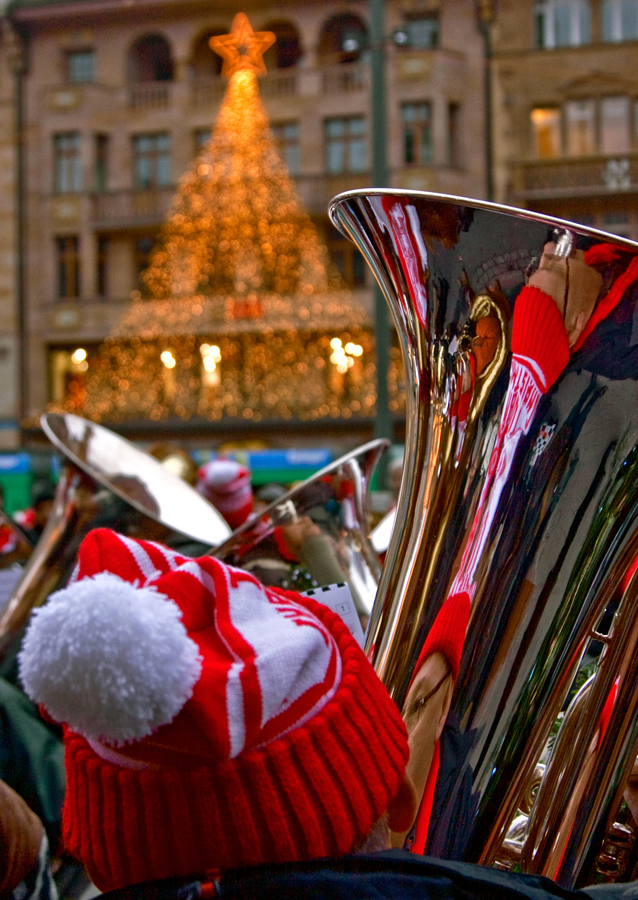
x=565, y=126
x=117, y=98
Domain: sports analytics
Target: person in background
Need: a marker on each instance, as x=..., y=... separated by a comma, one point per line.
x=34, y=519
x=225, y=739
x=25, y=873
x=226, y=484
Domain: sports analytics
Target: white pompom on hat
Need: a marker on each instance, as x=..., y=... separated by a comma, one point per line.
x=122, y=645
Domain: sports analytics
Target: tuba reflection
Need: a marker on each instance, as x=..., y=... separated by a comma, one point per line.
x=317, y=533
x=98, y=459
x=519, y=512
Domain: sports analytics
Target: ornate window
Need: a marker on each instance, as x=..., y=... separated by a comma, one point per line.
x=286, y=51
x=580, y=125
x=150, y=59
x=346, y=258
x=152, y=160
x=68, y=266
x=620, y=20
x=346, y=144
x=201, y=137
x=287, y=137
x=67, y=165
x=101, y=161
x=417, y=133
x=562, y=23
x=602, y=126
x=615, y=130
x=80, y=66
x=546, y=124
x=101, y=270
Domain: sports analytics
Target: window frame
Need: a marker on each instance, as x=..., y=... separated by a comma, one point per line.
x=616, y=33
x=348, y=141
x=559, y=122
x=67, y=257
x=415, y=129
x=288, y=144
x=153, y=158
x=547, y=24
x=67, y=162
x=80, y=53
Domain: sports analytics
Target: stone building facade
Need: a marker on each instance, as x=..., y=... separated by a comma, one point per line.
x=118, y=97
x=565, y=127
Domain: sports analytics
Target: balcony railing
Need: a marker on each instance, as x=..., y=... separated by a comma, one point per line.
x=150, y=95
x=347, y=78
x=333, y=79
x=575, y=177
x=122, y=209
x=134, y=208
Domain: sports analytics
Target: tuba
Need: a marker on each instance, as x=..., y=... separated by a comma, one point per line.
x=316, y=534
x=98, y=459
x=517, y=523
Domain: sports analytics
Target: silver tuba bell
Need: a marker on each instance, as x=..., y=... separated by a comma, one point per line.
x=517, y=529
x=316, y=534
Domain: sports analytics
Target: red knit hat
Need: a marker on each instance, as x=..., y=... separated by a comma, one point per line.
x=226, y=484
x=210, y=722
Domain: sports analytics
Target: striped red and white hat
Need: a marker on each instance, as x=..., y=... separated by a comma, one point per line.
x=226, y=484
x=210, y=722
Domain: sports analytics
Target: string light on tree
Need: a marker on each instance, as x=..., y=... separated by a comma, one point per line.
x=238, y=274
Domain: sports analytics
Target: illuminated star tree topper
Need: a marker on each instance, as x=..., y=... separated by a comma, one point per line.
x=243, y=48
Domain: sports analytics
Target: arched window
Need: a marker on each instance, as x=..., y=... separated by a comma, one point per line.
x=205, y=63
x=562, y=23
x=343, y=38
x=620, y=20
x=149, y=59
x=286, y=51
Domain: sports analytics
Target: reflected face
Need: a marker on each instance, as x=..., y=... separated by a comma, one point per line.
x=485, y=344
x=424, y=713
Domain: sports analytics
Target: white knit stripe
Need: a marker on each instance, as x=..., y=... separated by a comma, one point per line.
x=169, y=555
x=235, y=705
x=193, y=568
x=309, y=649
x=536, y=369
x=319, y=705
x=115, y=758
x=142, y=559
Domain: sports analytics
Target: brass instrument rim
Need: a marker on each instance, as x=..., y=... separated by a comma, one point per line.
x=473, y=203
x=103, y=479
x=379, y=444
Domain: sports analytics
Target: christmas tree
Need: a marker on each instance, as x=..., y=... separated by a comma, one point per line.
x=244, y=316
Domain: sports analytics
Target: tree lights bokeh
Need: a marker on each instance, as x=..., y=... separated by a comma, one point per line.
x=243, y=315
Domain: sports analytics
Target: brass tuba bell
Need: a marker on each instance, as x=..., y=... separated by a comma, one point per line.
x=518, y=514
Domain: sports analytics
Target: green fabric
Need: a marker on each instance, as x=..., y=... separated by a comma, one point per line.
x=31, y=758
